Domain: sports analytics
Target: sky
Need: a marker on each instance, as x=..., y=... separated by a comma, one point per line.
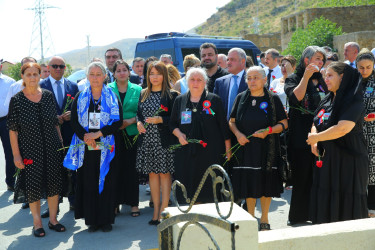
x=104, y=21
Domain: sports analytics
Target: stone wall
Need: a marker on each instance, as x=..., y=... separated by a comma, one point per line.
x=265, y=41
x=365, y=39
x=351, y=19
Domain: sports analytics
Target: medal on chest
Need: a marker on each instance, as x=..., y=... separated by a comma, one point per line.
x=264, y=106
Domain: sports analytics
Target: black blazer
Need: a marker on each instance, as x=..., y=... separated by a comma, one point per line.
x=167, y=138
x=71, y=88
x=134, y=79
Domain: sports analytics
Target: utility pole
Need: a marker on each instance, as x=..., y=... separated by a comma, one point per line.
x=88, y=49
x=40, y=37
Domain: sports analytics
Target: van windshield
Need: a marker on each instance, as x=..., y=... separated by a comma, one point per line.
x=196, y=52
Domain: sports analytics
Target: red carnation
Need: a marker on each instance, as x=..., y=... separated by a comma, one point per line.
x=25, y=161
x=29, y=162
x=273, y=77
x=69, y=95
x=319, y=164
x=164, y=108
x=112, y=148
x=371, y=115
x=204, y=144
x=72, y=98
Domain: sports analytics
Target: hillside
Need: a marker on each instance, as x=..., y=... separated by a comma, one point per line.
x=237, y=17
x=78, y=59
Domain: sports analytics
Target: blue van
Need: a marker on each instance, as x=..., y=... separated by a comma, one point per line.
x=178, y=45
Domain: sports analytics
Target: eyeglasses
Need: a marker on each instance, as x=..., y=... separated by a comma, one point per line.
x=55, y=66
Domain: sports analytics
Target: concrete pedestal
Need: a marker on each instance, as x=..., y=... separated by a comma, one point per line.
x=246, y=237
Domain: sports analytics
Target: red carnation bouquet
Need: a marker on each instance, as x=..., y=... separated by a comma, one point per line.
x=176, y=146
x=69, y=100
x=161, y=109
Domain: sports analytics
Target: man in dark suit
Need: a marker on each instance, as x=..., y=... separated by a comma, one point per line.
x=63, y=90
x=111, y=56
x=137, y=73
x=229, y=86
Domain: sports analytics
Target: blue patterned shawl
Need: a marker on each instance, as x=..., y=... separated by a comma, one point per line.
x=109, y=113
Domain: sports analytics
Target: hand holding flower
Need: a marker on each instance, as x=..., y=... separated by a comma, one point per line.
x=261, y=133
x=141, y=128
x=312, y=138
x=314, y=149
x=18, y=162
x=182, y=139
x=66, y=116
x=92, y=135
x=154, y=120
x=370, y=117
x=241, y=138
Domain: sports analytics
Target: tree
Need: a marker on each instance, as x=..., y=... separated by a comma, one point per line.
x=319, y=32
x=14, y=71
x=68, y=70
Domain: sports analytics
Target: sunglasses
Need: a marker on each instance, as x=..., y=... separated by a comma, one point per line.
x=55, y=66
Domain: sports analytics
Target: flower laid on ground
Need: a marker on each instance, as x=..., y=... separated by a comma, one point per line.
x=101, y=144
x=69, y=100
x=161, y=109
x=304, y=111
x=176, y=146
x=25, y=162
x=236, y=147
x=319, y=163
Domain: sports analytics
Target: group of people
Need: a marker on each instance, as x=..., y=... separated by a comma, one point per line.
x=95, y=142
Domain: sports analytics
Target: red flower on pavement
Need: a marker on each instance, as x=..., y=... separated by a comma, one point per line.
x=164, y=108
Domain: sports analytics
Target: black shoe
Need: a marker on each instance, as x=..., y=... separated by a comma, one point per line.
x=10, y=188
x=45, y=214
x=25, y=205
x=58, y=227
x=93, y=228
x=39, y=232
x=107, y=228
x=154, y=222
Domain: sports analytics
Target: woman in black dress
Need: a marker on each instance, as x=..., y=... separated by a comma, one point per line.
x=153, y=156
x=340, y=180
x=96, y=116
x=259, y=113
x=35, y=138
x=304, y=91
x=365, y=65
x=190, y=119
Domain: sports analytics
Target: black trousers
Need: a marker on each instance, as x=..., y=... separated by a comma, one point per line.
x=371, y=197
x=301, y=161
x=9, y=164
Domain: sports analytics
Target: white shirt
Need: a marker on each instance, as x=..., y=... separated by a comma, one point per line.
x=348, y=63
x=275, y=74
x=13, y=90
x=54, y=86
x=231, y=86
x=5, y=83
x=278, y=87
x=83, y=84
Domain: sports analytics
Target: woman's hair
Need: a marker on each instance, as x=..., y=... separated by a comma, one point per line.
x=97, y=65
x=309, y=52
x=365, y=54
x=257, y=68
x=30, y=65
x=121, y=61
x=190, y=61
x=173, y=73
x=291, y=59
x=338, y=67
x=194, y=71
x=150, y=59
x=161, y=69
x=249, y=62
x=333, y=57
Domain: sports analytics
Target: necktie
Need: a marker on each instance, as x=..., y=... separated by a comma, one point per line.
x=269, y=78
x=233, y=95
x=60, y=97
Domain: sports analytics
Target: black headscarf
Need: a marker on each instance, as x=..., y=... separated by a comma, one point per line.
x=348, y=95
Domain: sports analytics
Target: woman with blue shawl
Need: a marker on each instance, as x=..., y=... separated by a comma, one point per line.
x=96, y=116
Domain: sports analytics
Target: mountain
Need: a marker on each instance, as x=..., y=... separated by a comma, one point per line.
x=238, y=17
x=78, y=58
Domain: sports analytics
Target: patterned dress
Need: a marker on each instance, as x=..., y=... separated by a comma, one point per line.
x=38, y=141
x=369, y=127
x=151, y=156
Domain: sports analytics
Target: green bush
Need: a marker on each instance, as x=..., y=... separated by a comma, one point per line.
x=319, y=32
x=14, y=71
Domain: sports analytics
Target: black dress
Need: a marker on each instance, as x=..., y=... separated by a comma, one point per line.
x=250, y=178
x=339, y=186
x=95, y=208
x=38, y=141
x=192, y=160
x=300, y=157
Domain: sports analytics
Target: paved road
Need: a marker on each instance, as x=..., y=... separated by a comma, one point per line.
x=127, y=233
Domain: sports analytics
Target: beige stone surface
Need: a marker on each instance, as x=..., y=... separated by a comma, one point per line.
x=365, y=39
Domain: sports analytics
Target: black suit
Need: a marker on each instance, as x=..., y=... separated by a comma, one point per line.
x=134, y=78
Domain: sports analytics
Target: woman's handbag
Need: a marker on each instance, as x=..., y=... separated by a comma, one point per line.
x=285, y=169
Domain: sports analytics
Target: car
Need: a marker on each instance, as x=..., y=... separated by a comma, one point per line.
x=178, y=45
x=77, y=76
